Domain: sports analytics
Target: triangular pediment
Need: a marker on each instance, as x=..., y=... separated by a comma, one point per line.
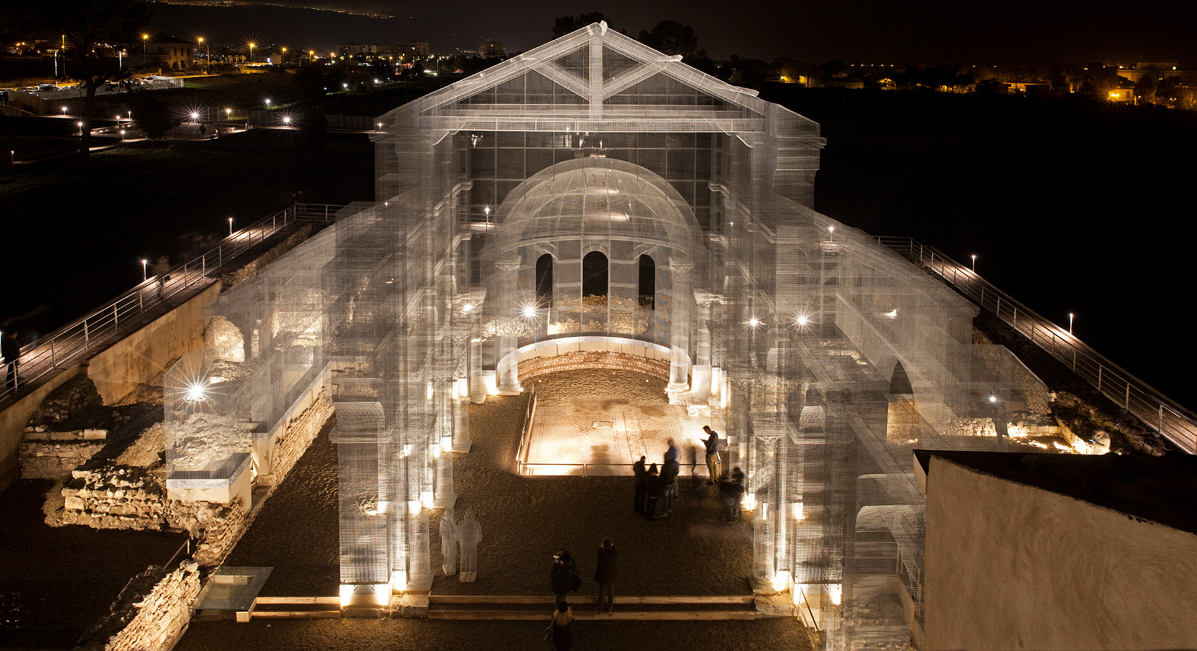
x=597, y=73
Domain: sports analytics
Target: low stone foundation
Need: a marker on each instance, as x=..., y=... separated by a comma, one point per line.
x=53, y=455
x=297, y=437
x=535, y=366
x=153, y=620
x=115, y=497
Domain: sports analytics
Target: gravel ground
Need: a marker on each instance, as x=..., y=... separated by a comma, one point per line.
x=524, y=520
x=322, y=634
x=296, y=531
x=54, y=582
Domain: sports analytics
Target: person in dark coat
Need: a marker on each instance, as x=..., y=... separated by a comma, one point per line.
x=606, y=573
x=563, y=576
x=10, y=350
x=653, y=487
x=669, y=472
x=561, y=627
x=731, y=491
x=641, y=485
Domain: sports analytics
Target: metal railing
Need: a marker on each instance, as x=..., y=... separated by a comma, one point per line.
x=1140, y=399
x=148, y=298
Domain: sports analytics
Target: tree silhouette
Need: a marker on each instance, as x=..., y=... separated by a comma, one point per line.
x=84, y=24
x=565, y=24
x=670, y=37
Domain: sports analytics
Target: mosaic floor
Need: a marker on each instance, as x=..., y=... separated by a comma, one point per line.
x=605, y=437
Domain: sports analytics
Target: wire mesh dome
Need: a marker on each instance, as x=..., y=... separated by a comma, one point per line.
x=597, y=197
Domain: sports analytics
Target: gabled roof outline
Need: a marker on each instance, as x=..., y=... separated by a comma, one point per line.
x=596, y=36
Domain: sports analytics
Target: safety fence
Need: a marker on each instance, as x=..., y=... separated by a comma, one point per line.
x=1140, y=399
x=145, y=301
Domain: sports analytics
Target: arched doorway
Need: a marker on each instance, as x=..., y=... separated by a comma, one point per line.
x=544, y=281
x=595, y=286
x=647, y=293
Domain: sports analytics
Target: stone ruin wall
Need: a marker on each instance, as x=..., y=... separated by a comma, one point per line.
x=536, y=366
x=296, y=438
x=53, y=455
x=152, y=620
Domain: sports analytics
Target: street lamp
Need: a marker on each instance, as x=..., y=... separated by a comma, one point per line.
x=80, y=124
x=974, y=262
x=144, y=38
x=267, y=102
x=144, y=277
x=122, y=134
x=207, y=55
x=64, y=110
x=194, y=116
x=831, y=233
x=228, y=113
x=1070, y=323
x=251, y=52
x=287, y=120
x=230, y=226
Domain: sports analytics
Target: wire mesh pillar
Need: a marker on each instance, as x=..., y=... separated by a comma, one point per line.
x=679, y=330
x=508, y=365
x=769, y=509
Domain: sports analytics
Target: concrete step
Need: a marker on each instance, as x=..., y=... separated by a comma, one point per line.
x=628, y=608
x=584, y=614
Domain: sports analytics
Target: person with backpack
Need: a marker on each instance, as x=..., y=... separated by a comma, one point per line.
x=563, y=576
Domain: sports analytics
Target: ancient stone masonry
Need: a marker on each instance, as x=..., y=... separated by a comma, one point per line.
x=150, y=619
x=297, y=437
x=114, y=497
x=535, y=366
x=53, y=455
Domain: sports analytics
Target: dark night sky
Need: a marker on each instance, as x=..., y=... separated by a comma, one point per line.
x=869, y=31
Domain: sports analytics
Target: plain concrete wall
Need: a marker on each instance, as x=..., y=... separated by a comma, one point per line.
x=1010, y=566
x=118, y=369
x=13, y=421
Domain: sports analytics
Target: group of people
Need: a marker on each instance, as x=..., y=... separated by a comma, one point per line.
x=564, y=579
x=652, y=485
x=656, y=488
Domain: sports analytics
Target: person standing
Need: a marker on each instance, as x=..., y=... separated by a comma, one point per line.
x=161, y=269
x=641, y=485
x=561, y=628
x=563, y=576
x=10, y=352
x=669, y=471
x=653, y=487
x=712, y=445
x=606, y=573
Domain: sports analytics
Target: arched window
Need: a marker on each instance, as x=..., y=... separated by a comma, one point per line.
x=594, y=276
x=544, y=281
x=648, y=282
x=899, y=382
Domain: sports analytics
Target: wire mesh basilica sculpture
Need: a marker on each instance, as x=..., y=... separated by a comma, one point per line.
x=594, y=191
